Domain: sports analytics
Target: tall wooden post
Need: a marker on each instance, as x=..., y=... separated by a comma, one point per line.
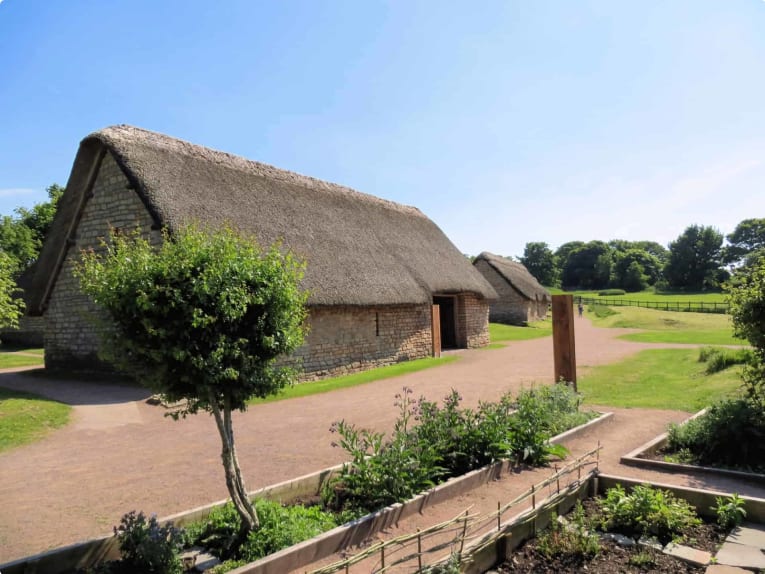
x=564, y=349
x=435, y=327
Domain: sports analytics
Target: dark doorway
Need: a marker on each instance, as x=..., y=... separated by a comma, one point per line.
x=448, y=329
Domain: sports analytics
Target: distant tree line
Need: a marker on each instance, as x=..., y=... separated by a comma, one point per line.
x=695, y=261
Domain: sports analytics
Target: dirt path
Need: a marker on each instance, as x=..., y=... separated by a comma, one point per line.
x=120, y=454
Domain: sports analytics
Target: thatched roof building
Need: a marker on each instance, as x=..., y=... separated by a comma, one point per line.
x=521, y=298
x=361, y=251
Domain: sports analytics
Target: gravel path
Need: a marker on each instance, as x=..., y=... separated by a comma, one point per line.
x=119, y=453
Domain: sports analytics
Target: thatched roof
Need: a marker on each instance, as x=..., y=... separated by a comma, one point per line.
x=517, y=276
x=359, y=249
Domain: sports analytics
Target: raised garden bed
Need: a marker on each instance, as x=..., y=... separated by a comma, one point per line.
x=652, y=455
x=515, y=548
x=105, y=548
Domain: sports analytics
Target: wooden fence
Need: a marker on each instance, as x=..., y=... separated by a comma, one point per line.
x=447, y=540
x=689, y=306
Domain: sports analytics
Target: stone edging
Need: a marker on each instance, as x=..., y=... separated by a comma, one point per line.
x=636, y=458
x=104, y=548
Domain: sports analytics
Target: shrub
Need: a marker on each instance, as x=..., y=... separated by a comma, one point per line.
x=646, y=510
x=730, y=511
x=611, y=292
x=575, y=540
x=730, y=434
x=718, y=358
x=146, y=546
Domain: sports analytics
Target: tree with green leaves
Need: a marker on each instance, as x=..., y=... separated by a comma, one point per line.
x=746, y=238
x=588, y=266
x=11, y=306
x=694, y=259
x=22, y=235
x=635, y=269
x=746, y=297
x=203, y=318
x=538, y=258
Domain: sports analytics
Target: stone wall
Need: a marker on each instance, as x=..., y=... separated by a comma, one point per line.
x=71, y=319
x=30, y=332
x=472, y=321
x=343, y=340
x=511, y=307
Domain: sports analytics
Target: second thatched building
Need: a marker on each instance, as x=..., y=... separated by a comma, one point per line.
x=521, y=298
x=374, y=268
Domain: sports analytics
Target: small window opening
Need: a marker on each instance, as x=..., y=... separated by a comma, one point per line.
x=377, y=324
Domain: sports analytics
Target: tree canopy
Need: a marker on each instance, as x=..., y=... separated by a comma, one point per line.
x=540, y=261
x=203, y=318
x=747, y=238
x=694, y=259
x=22, y=235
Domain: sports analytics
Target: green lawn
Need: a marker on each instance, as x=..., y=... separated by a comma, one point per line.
x=13, y=357
x=667, y=326
x=658, y=379
x=650, y=295
x=327, y=385
x=499, y=332
x=25, y=417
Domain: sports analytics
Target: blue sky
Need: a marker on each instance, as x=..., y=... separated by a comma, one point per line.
x=505, y=122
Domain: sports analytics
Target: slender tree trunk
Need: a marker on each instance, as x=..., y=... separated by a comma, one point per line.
x=233, y=474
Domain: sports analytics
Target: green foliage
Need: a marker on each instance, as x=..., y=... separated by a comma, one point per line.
x=746, y=238
x=203, y=319
x=611, y=292
x=448, y=441
x=25, y=417
x=730, y=434
x=22, y=236
x=11, y=306
x=646, y=511
x=574, y=540
x=730, y=511
x=280, y=527
x=644, y=560
x=540, y=261
x=635, y=269
x=146, y=546
x=601, y=311
x=719, y=358
x=587, y=266
x=746, y=298
x=694, y=259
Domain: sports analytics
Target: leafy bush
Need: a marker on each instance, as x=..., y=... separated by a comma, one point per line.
x=146, y=546
x=448, y=441
x=575, y=540
x=646, y=510
x=611, y=292
x=730, y=511
x=730, y=434
x=280, y=527
x=719, y=359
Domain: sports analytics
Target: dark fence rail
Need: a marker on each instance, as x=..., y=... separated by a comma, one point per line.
x=690, y=306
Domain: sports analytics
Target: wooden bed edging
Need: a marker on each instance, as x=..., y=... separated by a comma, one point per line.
x=481, y=555
x=90, y=552
x=636, y=458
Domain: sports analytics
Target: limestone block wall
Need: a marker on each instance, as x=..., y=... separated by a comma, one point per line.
x=472, y=321
x=347, y=339
x=71, y=319
x=511, y=307
x=29, y=332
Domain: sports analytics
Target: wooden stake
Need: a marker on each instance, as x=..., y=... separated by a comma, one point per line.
x=564, y=349
x=419, y=551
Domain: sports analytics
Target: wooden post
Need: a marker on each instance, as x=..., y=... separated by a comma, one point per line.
x=435, y=328
x=564, y=351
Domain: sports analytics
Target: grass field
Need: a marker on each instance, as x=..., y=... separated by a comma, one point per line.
x=667, y=326
x=658, y=379
x=25, y=417
x=17, y=357
x=652, y=296
x=378, y=374
x=500, y=333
